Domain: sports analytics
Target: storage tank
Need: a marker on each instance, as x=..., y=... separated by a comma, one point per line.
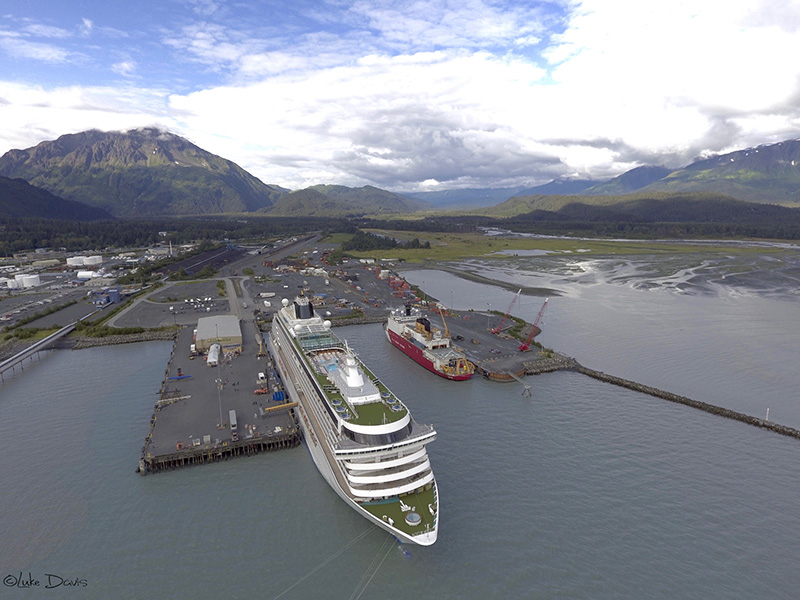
x=86, y=274
x=93, y=260
x=76, y=261
x=29, y=281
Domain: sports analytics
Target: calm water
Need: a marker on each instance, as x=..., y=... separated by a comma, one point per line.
x=582, y=491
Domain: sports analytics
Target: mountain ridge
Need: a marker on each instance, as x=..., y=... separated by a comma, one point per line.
x=19, y=199
x=141, y=172
x=342, y=201
x=150, y=172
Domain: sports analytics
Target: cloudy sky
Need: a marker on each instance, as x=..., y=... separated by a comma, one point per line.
x=410, y=95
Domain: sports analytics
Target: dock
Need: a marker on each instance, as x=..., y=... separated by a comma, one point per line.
x=190, y=421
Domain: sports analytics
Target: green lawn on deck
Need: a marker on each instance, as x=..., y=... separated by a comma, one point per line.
x=418, y=500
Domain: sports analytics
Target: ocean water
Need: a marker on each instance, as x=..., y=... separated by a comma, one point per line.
x=583, y=490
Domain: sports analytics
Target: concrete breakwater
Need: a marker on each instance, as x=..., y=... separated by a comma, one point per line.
x=709, y=408
x=548, y=364
x=109, y=340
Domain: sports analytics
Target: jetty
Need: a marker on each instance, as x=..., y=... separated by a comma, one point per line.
x=704, y=406
x=204, y=414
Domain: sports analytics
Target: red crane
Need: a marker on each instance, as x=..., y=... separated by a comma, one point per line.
x=499, y=328
x=525, y=346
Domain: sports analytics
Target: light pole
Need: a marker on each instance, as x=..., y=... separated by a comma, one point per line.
x=488, y=315
x=219, y=379
x=219, y=397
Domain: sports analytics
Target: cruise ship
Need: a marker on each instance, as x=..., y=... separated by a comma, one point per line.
x=412, y=333
x=361, y=437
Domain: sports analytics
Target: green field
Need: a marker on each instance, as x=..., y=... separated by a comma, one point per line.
x=458, y=246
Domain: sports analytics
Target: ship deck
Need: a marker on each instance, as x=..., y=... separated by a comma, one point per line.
x=421, y=502
x=325, y=357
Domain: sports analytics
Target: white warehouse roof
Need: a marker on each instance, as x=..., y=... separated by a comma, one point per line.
x=224, y=327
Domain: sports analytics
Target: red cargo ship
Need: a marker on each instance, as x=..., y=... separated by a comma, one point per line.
x=414, y=335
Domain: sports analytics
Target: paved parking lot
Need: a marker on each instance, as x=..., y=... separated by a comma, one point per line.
x=209, y=393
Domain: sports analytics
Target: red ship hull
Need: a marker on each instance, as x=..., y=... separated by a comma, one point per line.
x=415, y=353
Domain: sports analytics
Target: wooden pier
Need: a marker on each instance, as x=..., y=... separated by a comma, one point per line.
x=188, y=425
x=214, y=453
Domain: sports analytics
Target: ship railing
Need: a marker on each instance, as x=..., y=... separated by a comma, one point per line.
x=303, y=385
x=316, y=344
x=418, y=480
x=347, y=448
x=397, y=470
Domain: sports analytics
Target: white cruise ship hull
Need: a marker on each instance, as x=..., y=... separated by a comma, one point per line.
x=314, y=439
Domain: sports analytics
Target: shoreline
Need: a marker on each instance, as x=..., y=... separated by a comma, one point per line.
x=491, y=369
x=474, y=277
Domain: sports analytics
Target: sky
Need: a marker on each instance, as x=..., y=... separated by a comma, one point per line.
x=410, y=95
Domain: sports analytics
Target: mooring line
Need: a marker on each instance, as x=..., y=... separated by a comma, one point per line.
x=374, y=572
x=325, y=562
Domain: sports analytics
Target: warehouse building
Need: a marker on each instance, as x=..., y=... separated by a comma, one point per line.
x=223, y=329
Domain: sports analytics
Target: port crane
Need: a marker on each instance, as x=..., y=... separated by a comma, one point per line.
x=526, y=345
x=499, y=328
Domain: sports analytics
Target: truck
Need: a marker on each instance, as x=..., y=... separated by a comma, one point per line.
x=234, y=426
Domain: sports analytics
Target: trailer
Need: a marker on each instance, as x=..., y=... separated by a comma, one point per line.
x=234, y=425
x=212, y=360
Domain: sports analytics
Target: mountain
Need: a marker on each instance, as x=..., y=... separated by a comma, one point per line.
x=465, y=197
x=142, y=172
x=628, y=182
x=647, y=207
x=19, y=199
x=560, y=187
x=765, y=174
x=341, y=201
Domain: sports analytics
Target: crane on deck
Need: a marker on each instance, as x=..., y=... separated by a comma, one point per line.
x=499, y=328
x=446, y=330
x=526, y=345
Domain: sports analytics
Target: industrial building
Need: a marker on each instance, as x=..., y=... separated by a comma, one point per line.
x=223, y=329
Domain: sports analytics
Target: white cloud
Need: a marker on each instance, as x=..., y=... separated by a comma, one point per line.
x=86, y=27
x=211, y=44
x=47, y=31
x=662, y=75
x=33, y=114
x=407, y=94
x=206, y=8
x=447, y=24
x=385, y=119
x=16, y=46
x=125, y=67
